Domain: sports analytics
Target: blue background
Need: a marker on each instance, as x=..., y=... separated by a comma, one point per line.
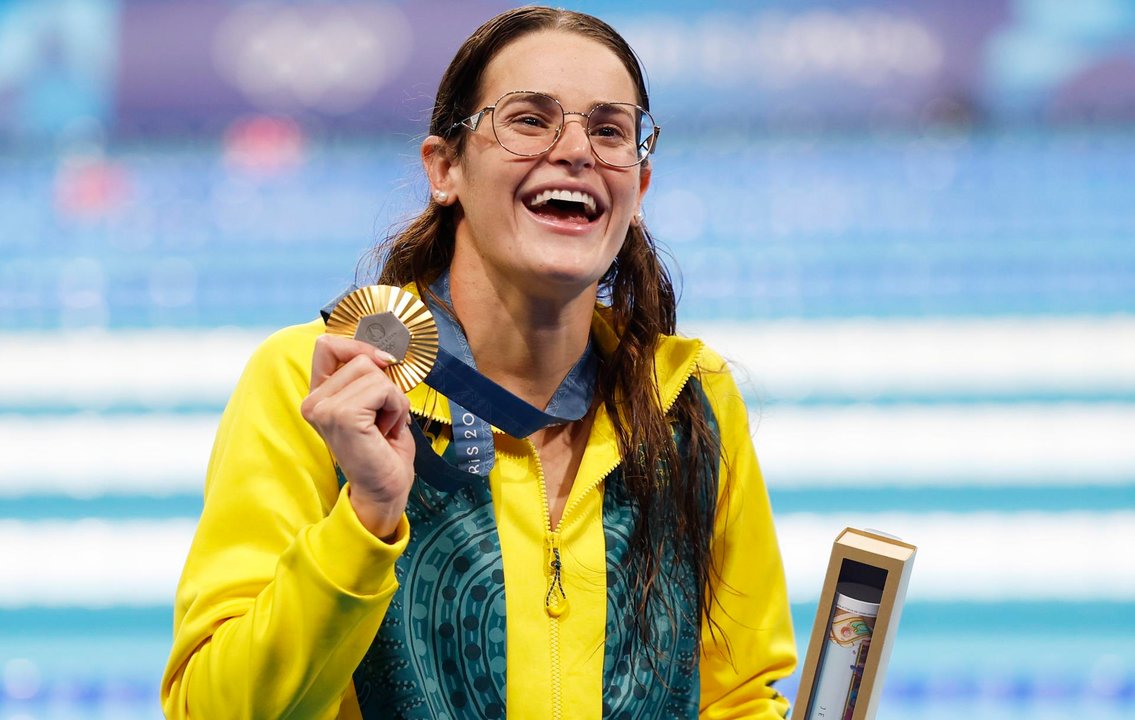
x=824, y=167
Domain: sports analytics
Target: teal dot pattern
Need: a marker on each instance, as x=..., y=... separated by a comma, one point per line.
x=440, y=651
x=642, y=683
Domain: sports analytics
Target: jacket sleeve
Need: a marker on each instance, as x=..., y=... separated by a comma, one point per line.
x=752, y=644
x=283, y=589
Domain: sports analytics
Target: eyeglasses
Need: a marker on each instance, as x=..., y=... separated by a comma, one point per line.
x=529, y=123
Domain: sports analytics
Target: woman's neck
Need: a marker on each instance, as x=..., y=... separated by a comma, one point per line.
x=524, y=343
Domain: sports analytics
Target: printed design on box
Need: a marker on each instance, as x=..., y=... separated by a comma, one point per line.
x=849, y=627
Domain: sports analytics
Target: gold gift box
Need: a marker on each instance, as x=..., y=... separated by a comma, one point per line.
x=879, y=561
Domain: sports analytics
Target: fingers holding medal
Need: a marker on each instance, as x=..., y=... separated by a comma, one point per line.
x=393, y=321
x=380, y=343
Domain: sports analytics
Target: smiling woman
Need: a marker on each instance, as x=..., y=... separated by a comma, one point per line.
x=533, y=148
x=617, y=559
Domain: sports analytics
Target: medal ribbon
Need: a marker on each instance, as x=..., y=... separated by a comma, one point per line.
x=472, y=436
x=486, y=402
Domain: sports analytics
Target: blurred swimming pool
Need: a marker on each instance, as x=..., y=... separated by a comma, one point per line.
x=937, y=334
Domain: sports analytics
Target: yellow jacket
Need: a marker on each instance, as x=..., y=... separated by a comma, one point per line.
x=284, y=591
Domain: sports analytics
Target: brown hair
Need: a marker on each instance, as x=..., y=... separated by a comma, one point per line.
x=673, y=488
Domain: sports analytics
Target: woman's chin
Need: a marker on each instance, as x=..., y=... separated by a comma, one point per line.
x=559, y=279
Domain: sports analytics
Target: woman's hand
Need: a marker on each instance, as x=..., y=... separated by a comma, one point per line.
x=363, y=417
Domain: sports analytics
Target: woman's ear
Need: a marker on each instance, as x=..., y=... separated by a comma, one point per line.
x=643, y=185
x=441, y=168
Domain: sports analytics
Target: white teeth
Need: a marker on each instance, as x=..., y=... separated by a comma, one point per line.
x=575, y=196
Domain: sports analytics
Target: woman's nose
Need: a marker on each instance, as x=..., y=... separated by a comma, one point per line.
x=573, y=145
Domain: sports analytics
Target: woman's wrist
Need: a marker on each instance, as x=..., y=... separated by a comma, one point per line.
x=381, y=519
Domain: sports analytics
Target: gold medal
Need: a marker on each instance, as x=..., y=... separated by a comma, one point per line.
x=394, y=321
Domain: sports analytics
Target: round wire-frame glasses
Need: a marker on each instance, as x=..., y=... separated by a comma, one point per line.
x=529, y=123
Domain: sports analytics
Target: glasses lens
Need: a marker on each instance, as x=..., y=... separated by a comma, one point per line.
x=527, y=123
x=621, y=133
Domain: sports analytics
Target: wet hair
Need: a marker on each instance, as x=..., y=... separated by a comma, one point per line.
x=669, y=458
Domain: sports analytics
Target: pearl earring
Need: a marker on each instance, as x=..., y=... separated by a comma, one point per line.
x=639, y=218
x=441, y=196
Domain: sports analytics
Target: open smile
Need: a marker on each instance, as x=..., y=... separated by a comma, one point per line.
x=563, y=205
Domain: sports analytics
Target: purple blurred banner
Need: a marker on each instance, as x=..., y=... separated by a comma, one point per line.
x=193, y=65
x=181, y=67
x=808, y=62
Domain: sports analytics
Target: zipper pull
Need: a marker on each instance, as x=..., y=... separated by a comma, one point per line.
x=555, y=600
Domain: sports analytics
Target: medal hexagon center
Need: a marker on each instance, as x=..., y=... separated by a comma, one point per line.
x=386, y=332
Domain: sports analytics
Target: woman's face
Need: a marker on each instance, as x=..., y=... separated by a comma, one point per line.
x=550, y=249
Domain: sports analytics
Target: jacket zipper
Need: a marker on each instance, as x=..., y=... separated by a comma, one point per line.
x=555, y=598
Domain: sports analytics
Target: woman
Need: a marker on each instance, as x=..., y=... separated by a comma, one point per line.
x=630, y=547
